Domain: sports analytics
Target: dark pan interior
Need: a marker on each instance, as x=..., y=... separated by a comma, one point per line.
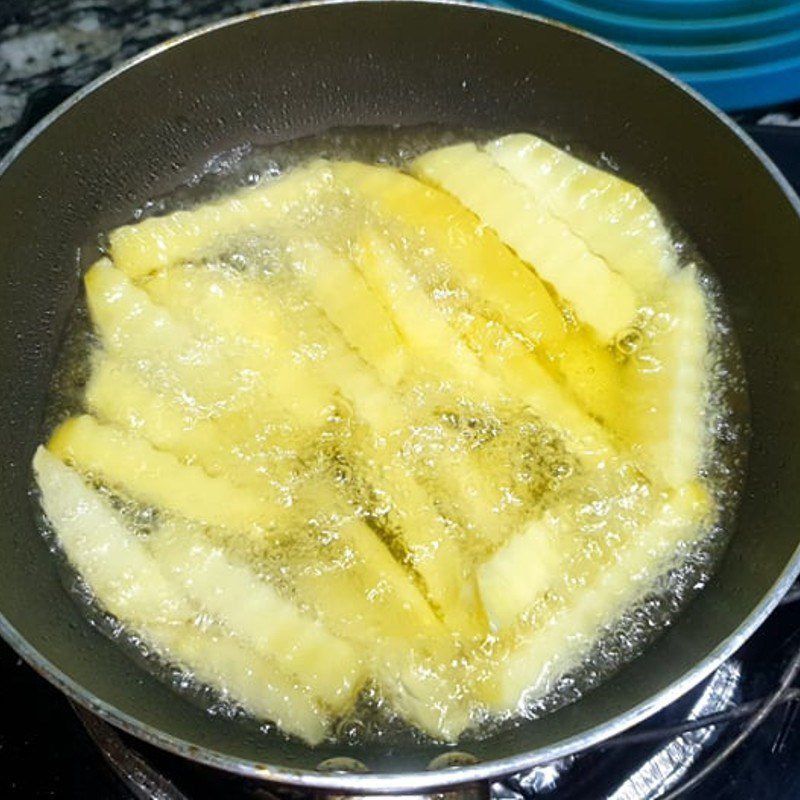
x=278, y=76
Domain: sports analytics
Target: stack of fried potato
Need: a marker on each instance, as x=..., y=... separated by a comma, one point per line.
x=426, y=431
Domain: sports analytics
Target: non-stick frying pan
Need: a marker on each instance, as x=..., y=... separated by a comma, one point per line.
x=285, y=73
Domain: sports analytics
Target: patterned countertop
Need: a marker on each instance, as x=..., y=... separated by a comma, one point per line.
x=50, y=48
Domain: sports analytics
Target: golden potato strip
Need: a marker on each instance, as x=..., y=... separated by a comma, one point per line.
x=127, y=581
x=340, y=291
x=406, y=648
x=466, y=490
x=252, y=609
x=160, y=242
x=600, y=297
x=614, y=217
x=473, y=255
x=532, y=664
x=386, y=571
x=428, y=330
x=134, y=467
x=430, y=336
x=529, y=381
x=417, y=317
x=432, y=548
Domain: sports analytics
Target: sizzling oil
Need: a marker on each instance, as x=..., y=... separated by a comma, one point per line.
x=539, y=470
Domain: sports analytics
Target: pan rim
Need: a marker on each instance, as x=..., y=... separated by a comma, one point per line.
x=389, y=782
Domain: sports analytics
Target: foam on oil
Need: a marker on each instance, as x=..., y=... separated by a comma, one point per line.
x=535, y=466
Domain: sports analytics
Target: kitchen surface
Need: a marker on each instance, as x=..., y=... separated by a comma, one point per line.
x=735, y=737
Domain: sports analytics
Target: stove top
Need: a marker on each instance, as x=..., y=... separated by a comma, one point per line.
x=735, y=737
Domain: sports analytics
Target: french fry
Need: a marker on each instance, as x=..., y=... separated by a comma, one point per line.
x=433, y=549
x=383, y=578
x=128, y=582
x=112, y=561
x=417, y=317
x=222, y=376
x=600, y=297
x=131, y=465
x=664, y=388
x=372, y=602
x=530, y=382
x=534, y=659
x=161, y=242
x=217, y=658
x=614, y=217
x=471, y=254
x=422, y=685
x=242, y=308
x=116, y=394
x=253, y=610
x=344, y=297
x=519, y=572
x=242, y=446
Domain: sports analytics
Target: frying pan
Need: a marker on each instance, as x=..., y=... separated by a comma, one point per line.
x=272, y=76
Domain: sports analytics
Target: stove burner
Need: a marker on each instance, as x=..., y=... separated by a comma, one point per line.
x=143, y=780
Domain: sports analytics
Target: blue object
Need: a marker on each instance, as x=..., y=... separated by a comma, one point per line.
x=739, y=53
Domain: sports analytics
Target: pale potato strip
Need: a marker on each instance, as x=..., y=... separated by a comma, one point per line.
x=132, y=466
x=256, y=612
x=542, y=655
x=128, y=582
x=222, y=376
x=160, y=242
x=614, y=217
x=600, y=297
